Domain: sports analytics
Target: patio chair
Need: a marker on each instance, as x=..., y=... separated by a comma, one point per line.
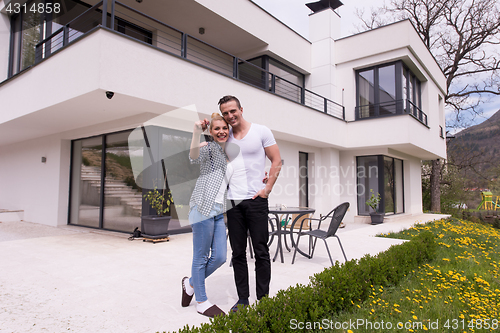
x=337, y=215
x=301, y=224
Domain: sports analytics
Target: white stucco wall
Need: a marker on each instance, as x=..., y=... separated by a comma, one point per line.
x=108, y=61
x=149, y=82
x=40, y=189
x=398, y=41
x=324, y=192
x=284, y=43
x=413, y=186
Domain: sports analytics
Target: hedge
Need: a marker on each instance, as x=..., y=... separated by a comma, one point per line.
x=337, y=288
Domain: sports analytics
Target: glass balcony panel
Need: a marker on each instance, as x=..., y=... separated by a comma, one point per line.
x=209, y=56
x=287, y=90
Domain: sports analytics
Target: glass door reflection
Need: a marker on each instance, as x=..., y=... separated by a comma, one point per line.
x=122, y=195
x=86, y=182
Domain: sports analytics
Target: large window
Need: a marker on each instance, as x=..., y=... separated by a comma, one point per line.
x=386, y=90
x=106, y=191
x=282, y=80
x=26, y=31
x=383, y=175
x=30, y=28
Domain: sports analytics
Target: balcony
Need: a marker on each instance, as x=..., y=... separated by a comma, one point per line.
x=154, y=33
x=391, y=108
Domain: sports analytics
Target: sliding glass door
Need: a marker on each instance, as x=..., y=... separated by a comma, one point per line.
x=104, y=193
x=86, y=178
x=110, y=174
x=382, y=175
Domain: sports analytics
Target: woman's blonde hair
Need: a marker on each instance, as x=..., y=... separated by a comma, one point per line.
x=217, y=116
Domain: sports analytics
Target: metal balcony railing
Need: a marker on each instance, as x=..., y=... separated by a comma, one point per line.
x=138, y=25
x=389, y=109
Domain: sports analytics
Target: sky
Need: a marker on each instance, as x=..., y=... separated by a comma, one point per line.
x=294, y=14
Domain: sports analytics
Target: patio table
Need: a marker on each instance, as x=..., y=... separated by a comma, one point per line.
x=286, y=211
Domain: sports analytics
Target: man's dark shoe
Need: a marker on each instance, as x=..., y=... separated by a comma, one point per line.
x=241, y=303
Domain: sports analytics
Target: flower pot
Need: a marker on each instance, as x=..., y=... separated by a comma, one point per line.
x=377, y=218
x=154, y=226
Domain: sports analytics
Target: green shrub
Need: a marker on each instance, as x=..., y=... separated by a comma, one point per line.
x=337, y=288
x=85, y=161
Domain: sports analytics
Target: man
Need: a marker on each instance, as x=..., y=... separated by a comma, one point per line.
x=248, y=196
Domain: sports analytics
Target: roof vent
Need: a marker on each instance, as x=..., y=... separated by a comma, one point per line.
x=324, y=4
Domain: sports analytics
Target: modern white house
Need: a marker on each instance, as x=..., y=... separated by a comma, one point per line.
x=350, y=114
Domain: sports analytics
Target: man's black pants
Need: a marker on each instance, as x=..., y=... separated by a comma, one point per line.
x=250, y=215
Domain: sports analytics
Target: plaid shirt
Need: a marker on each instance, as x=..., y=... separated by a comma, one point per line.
x=212, y=172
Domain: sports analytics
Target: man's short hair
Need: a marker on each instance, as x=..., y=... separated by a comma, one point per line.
x=229, y=98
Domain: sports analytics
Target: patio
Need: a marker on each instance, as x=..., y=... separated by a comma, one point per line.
x=77, y=279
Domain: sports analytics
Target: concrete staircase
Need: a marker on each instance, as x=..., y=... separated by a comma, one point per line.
x=116, y=192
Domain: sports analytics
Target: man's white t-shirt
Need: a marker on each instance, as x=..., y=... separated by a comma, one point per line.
x=249, y=162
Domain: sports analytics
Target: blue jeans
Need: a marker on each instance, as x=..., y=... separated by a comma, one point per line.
x=209, y=247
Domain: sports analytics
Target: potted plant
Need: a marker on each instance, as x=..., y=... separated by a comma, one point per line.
x=373, y=203
x=156, y=226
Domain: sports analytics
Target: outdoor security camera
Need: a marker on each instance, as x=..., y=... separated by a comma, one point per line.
x=109, y=94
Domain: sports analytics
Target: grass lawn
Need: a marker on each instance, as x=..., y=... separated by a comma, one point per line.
x=459, y=291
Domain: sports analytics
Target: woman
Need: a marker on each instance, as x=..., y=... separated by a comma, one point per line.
x=207, y=205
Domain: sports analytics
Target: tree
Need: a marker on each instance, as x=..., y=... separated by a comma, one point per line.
x=461, y=34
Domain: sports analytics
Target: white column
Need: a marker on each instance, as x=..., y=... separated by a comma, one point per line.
x=325, y=180
x=324, y=28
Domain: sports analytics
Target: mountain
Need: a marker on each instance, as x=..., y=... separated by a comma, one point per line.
x=490, y=126
x=477, y=151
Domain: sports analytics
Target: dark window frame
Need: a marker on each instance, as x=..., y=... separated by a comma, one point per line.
x=146, y=208
x=103, y=177
x=401, y=104
x=265, y=65
x=306, y=155
x=47, y=19
x=381, y=183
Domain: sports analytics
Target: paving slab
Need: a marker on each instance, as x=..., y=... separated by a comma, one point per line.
x=74, y=279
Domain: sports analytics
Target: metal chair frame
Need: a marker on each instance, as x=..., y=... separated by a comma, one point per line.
x=336, y=215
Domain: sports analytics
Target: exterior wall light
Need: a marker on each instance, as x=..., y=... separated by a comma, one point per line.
x=44, y=159
x=109, y=94
x=201, y=31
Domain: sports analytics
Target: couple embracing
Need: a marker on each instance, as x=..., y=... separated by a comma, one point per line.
x=235, y=178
